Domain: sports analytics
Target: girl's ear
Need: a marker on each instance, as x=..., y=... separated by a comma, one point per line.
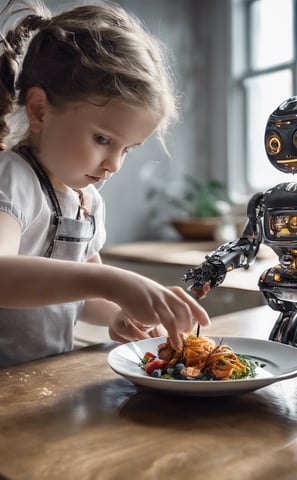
x=36, y=102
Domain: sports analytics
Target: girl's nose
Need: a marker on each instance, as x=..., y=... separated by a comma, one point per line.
x=113, y=162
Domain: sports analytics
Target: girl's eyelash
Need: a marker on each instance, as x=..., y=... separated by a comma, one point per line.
x=102, y=139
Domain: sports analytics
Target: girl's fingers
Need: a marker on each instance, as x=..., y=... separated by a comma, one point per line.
x=179, y=313
x=159, y=331
x=201, y=292
x=168, y=319
x=197, y=311
x=152, y=330
x=125, y=330
x=176, y=312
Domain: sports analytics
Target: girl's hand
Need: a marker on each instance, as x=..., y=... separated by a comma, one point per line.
x=122, y=329
x=151, y=304
x=201, y=292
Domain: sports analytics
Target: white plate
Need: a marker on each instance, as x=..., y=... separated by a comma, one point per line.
x=280, y=364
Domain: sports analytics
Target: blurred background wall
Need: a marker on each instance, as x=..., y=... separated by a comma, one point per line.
x=196, y=34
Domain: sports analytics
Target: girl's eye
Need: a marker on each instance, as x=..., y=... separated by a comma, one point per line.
x=102, y=139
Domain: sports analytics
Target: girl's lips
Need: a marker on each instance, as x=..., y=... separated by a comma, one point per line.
x=94, y=179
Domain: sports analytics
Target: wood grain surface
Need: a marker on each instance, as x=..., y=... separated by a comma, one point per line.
x=71, y=417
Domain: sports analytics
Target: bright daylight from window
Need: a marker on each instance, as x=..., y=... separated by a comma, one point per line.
x=267, y=80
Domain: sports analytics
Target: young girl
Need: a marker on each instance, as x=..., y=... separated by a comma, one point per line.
x=92, y=84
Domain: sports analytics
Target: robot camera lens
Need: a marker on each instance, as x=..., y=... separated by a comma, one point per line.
x=273, y=145
x=293, y=223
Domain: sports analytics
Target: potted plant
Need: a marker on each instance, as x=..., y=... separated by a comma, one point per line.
x=195, y=210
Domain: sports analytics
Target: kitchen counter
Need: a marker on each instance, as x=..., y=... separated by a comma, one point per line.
x=187, y=255
x=166, y=262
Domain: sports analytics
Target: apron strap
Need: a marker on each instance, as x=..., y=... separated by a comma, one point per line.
x=42, y=176
x=45, y=183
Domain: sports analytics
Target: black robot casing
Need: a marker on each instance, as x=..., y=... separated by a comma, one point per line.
x=281, y=136
x=280, y=216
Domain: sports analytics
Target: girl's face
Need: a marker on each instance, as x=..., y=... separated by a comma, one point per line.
x=86, y=143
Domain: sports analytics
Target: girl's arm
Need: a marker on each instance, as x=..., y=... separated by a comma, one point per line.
x=35, y=281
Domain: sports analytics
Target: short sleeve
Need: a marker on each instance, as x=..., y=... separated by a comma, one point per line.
x=20, y=191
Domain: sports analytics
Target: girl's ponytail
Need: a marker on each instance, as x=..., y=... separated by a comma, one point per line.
x=12, y=47
x=7, y=90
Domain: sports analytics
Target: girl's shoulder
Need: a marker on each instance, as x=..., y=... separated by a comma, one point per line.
x=11, y=163
x=20, y=190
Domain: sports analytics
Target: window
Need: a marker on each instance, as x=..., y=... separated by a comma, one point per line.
x=263, y=75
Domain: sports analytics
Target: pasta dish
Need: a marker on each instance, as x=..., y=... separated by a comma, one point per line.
x=199, y=358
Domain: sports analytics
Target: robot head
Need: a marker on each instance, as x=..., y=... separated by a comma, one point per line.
x=281, y=136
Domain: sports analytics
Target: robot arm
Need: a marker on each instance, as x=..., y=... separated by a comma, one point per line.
x=275, y=212
x=239, y=253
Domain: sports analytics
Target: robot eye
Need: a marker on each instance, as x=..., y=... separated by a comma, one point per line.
x=274, y=144
x=293, y=223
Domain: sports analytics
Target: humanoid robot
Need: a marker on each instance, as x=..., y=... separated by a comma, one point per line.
x=271, y=219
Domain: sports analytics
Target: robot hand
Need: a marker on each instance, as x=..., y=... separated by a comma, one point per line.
x=211, y=272
x=238, y=253
x=217, y=264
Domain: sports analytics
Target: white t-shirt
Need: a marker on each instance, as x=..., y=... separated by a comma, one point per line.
x=26, y=334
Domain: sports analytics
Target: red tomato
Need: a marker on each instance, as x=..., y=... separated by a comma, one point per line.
x=148, y=357
x=155, y=365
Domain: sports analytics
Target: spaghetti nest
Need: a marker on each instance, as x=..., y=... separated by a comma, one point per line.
x=200, y=358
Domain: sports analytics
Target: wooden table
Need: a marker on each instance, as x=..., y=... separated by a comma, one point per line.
x=71, y=417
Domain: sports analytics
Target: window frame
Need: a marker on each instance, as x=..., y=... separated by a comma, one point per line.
x=240, y=72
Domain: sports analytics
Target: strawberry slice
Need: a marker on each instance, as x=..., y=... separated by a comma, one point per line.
x=148, y=357
x=155, y=364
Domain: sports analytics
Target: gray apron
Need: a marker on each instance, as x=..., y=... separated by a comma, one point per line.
x=26, y=334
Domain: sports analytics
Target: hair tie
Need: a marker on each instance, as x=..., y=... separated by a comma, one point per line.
x=33, y=22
